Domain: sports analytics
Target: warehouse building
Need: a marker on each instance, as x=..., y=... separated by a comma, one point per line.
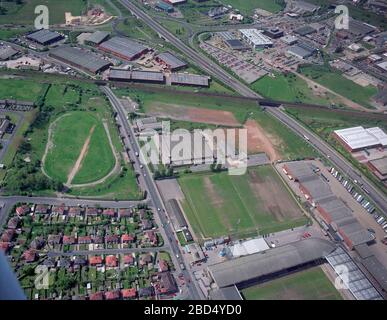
x=274, y=33
x=179, y=221
x=163, y=6
x=190, y=79
x=44, y=37
x=379, y=168
x=332, y=210
x=236, y=44
x=124, y=48
x=136, y=76
x=80, y=59
x=170, y=61
x=357, y=138
x=289, y=39
x=97, y=38
x=305, y=30
x=7, y=53
x=301, y=51
x=174, y=2
x=382, y=66
x=255, y=268
x=256, y=38
x=359, y=28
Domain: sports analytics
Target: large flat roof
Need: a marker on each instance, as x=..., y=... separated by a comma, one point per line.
x=123, y=46
x=358, y=137
x=44, y=36
x=380, y=165
x=257, y=265
x=7, y=52
x=189, y=79
x=98, y=36
x=173, y=61
x=80, y=58
x=256, y=37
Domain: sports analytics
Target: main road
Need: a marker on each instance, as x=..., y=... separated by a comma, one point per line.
x=218, y=72
x=153, y=193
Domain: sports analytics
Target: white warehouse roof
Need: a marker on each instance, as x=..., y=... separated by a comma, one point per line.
x=255, y=37
x=358, y=137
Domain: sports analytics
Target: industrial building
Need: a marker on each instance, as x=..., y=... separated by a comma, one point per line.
x=163, y=6
x=357, y=138
x=123, y=48
x=255, y=268
x=136, y=76
x=289, y=39
x=97, y=38
x=334, y=212
x=274, y=33
x=174, y=2
x=190, y=79
x=381, y=98
x=149, y=123
x=301, y=51
x=179, y=221
x=359, y=28
x=236, y=44
x=301, y=7
x=7, y=52
x=382, y=66
x=217, y=12
x=170, y=61
x=44, y=37
x=16, y=104
x=305, y=30
x=80, y=59
x=255, y=38
x=379, y=168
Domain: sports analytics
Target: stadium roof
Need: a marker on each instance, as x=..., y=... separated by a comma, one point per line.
x=44, y=36
x=123, y=46
x=229, y=293
x=98, y=37
x=257, y=265
x=169, y=59
x=189, y=79
x=358, y=137
x=80, y=58
x=7, y=52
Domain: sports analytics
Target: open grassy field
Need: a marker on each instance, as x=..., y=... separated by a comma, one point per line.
x=25, y=13
x=247, y=7
x=255, y=203
x=20, y=89
x=341, y=85
x=66, y=97
x=286, y=88
x=68, y=137
x=287, y=144
x=310, y=284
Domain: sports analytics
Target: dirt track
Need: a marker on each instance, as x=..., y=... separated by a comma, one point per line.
x=81, y=156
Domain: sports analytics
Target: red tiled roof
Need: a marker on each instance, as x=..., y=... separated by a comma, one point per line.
x=112, y=238
x=30, y=255
x=109, y=212
x=163, y=265
x=111, y=261
x=13, y=223
x=96, y=296
x=125, y=212
x=84, y=239
x=127, y=238
x=129, y=293
x=69, y=240
x=8, y=235
x=128, y=259
x=22, y=210
x=5, y=246
x=94, y=260
x=112, y=295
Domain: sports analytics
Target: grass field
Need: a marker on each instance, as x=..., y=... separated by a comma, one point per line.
x=20, y=89
x=310, y=284
x=69, y=136
x=339, y=84
x=288, y=88
x=247, y=7
x=251, y=204
x=289, y=145
x=25, y=13
x=66, y=97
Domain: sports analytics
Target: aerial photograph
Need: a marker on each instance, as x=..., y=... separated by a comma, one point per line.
x=193, y=150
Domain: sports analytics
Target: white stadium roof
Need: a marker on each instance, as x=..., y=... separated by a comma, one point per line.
x=358, y=137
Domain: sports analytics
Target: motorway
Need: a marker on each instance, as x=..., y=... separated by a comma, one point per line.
x=153, y=194
x=216, y=71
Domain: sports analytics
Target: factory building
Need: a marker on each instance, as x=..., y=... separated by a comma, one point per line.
x=175, y=2
x=97, y=38
x=7, y=52
x=170, y=61
x=163, y=6
x=256, y=38
x=123, y=48
x=190, y=79
x=274, y=33
x=136, y=76
x=357, y=138
x=81, y=59
x=301, y=51
x=44, y=37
